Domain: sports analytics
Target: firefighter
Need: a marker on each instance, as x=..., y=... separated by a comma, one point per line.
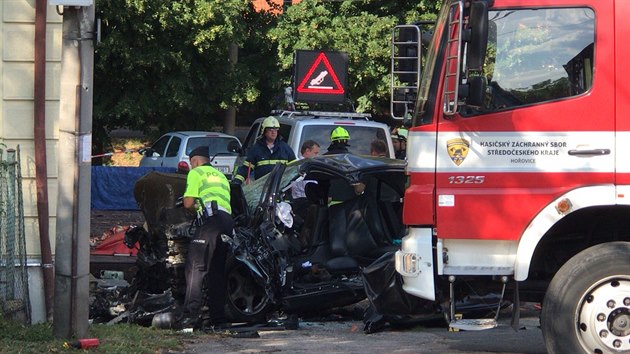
x=268, y=150
x=338, y=141
x=207, y=194
x=338, y=191
x=399, y=140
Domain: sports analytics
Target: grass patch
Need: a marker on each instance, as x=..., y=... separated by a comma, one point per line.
x=120, y=338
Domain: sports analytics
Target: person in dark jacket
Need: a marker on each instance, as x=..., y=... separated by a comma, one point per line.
x=338, y=141
x=268, y=150
x=399, y=140
x=337, y=190
x=378, y=148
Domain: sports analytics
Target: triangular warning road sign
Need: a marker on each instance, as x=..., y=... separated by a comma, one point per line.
x=314, y=81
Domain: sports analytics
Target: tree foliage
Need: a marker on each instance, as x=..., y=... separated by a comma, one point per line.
x=165, y=64
x=362, y=29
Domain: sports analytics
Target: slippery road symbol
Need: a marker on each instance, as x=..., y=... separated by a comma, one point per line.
x=318, y=80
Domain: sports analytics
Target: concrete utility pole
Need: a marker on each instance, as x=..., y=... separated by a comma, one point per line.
x=72, y=251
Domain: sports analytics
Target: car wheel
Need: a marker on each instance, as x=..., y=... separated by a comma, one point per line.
x=247, y=300
x=587, y=305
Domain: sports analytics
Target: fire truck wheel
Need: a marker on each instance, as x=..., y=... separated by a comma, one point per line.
x=587, y=305
x=246, y=300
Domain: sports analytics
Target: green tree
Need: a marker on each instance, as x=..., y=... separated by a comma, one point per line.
x=164, y=63
x=362, y=29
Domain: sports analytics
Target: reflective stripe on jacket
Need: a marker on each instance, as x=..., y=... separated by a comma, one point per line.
x=261, y=160
x=209, y=184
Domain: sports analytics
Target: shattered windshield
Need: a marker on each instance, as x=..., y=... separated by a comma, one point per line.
x=254, y=190
x=345, y=166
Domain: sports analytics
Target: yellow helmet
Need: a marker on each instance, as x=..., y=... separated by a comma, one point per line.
x=339, y=134
x=270, y=122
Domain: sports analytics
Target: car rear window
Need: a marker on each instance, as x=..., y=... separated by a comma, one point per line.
x=217, y=144
x=360, y=137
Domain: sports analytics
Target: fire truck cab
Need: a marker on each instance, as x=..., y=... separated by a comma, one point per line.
x=516, y=163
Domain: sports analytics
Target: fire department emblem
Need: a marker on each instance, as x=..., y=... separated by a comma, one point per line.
x=457, y=149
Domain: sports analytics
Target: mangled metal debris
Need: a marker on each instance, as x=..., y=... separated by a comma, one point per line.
x=287, y=257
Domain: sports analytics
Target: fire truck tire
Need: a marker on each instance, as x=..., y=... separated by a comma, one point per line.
x=587, y=305
x=246, y=300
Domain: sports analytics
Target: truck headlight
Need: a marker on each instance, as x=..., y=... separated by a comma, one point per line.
x=407, y=263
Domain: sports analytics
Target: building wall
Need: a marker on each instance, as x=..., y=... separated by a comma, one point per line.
x=17, y=27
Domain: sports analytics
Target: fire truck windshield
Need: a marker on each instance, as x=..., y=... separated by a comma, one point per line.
x=538, y=55
x=533, y=56
x=427, y=92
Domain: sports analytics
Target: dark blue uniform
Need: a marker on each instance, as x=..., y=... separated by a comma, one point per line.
x=337, y=148
x=261, y=160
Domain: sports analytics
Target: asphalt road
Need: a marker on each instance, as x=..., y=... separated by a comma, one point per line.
x=348, y=337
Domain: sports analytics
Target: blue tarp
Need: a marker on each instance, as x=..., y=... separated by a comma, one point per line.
x=112, y=187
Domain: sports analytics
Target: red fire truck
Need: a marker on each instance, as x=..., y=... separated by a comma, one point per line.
x=516, y=163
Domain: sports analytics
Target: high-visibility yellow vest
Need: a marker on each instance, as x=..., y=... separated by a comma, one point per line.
x=209, y=184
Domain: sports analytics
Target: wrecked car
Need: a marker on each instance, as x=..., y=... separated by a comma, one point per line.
x=304, y=256
x=329, y=248
x=290, y=255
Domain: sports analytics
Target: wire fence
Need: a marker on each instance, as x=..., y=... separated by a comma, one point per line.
x=14, y=296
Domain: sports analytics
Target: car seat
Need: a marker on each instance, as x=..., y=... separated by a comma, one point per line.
x=355, y=231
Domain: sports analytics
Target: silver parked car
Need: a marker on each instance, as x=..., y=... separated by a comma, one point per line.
x=172, y=150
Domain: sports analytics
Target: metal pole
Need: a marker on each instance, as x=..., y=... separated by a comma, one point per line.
x=72, y=251
x=11, y=233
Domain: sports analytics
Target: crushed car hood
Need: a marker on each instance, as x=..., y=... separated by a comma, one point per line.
x=348, y=165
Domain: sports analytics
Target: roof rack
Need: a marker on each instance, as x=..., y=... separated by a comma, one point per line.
x=320, y=114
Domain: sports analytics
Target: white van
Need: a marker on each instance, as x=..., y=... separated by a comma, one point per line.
x=299, y=126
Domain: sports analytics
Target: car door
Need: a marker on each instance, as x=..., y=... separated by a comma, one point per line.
x=247, y=144
x=173, y=153
x=153, y=156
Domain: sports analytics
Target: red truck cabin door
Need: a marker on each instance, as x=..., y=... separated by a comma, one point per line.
x=547, y=127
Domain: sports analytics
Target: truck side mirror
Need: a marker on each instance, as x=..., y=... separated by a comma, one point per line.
x=474, y=91
x=478, y=35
